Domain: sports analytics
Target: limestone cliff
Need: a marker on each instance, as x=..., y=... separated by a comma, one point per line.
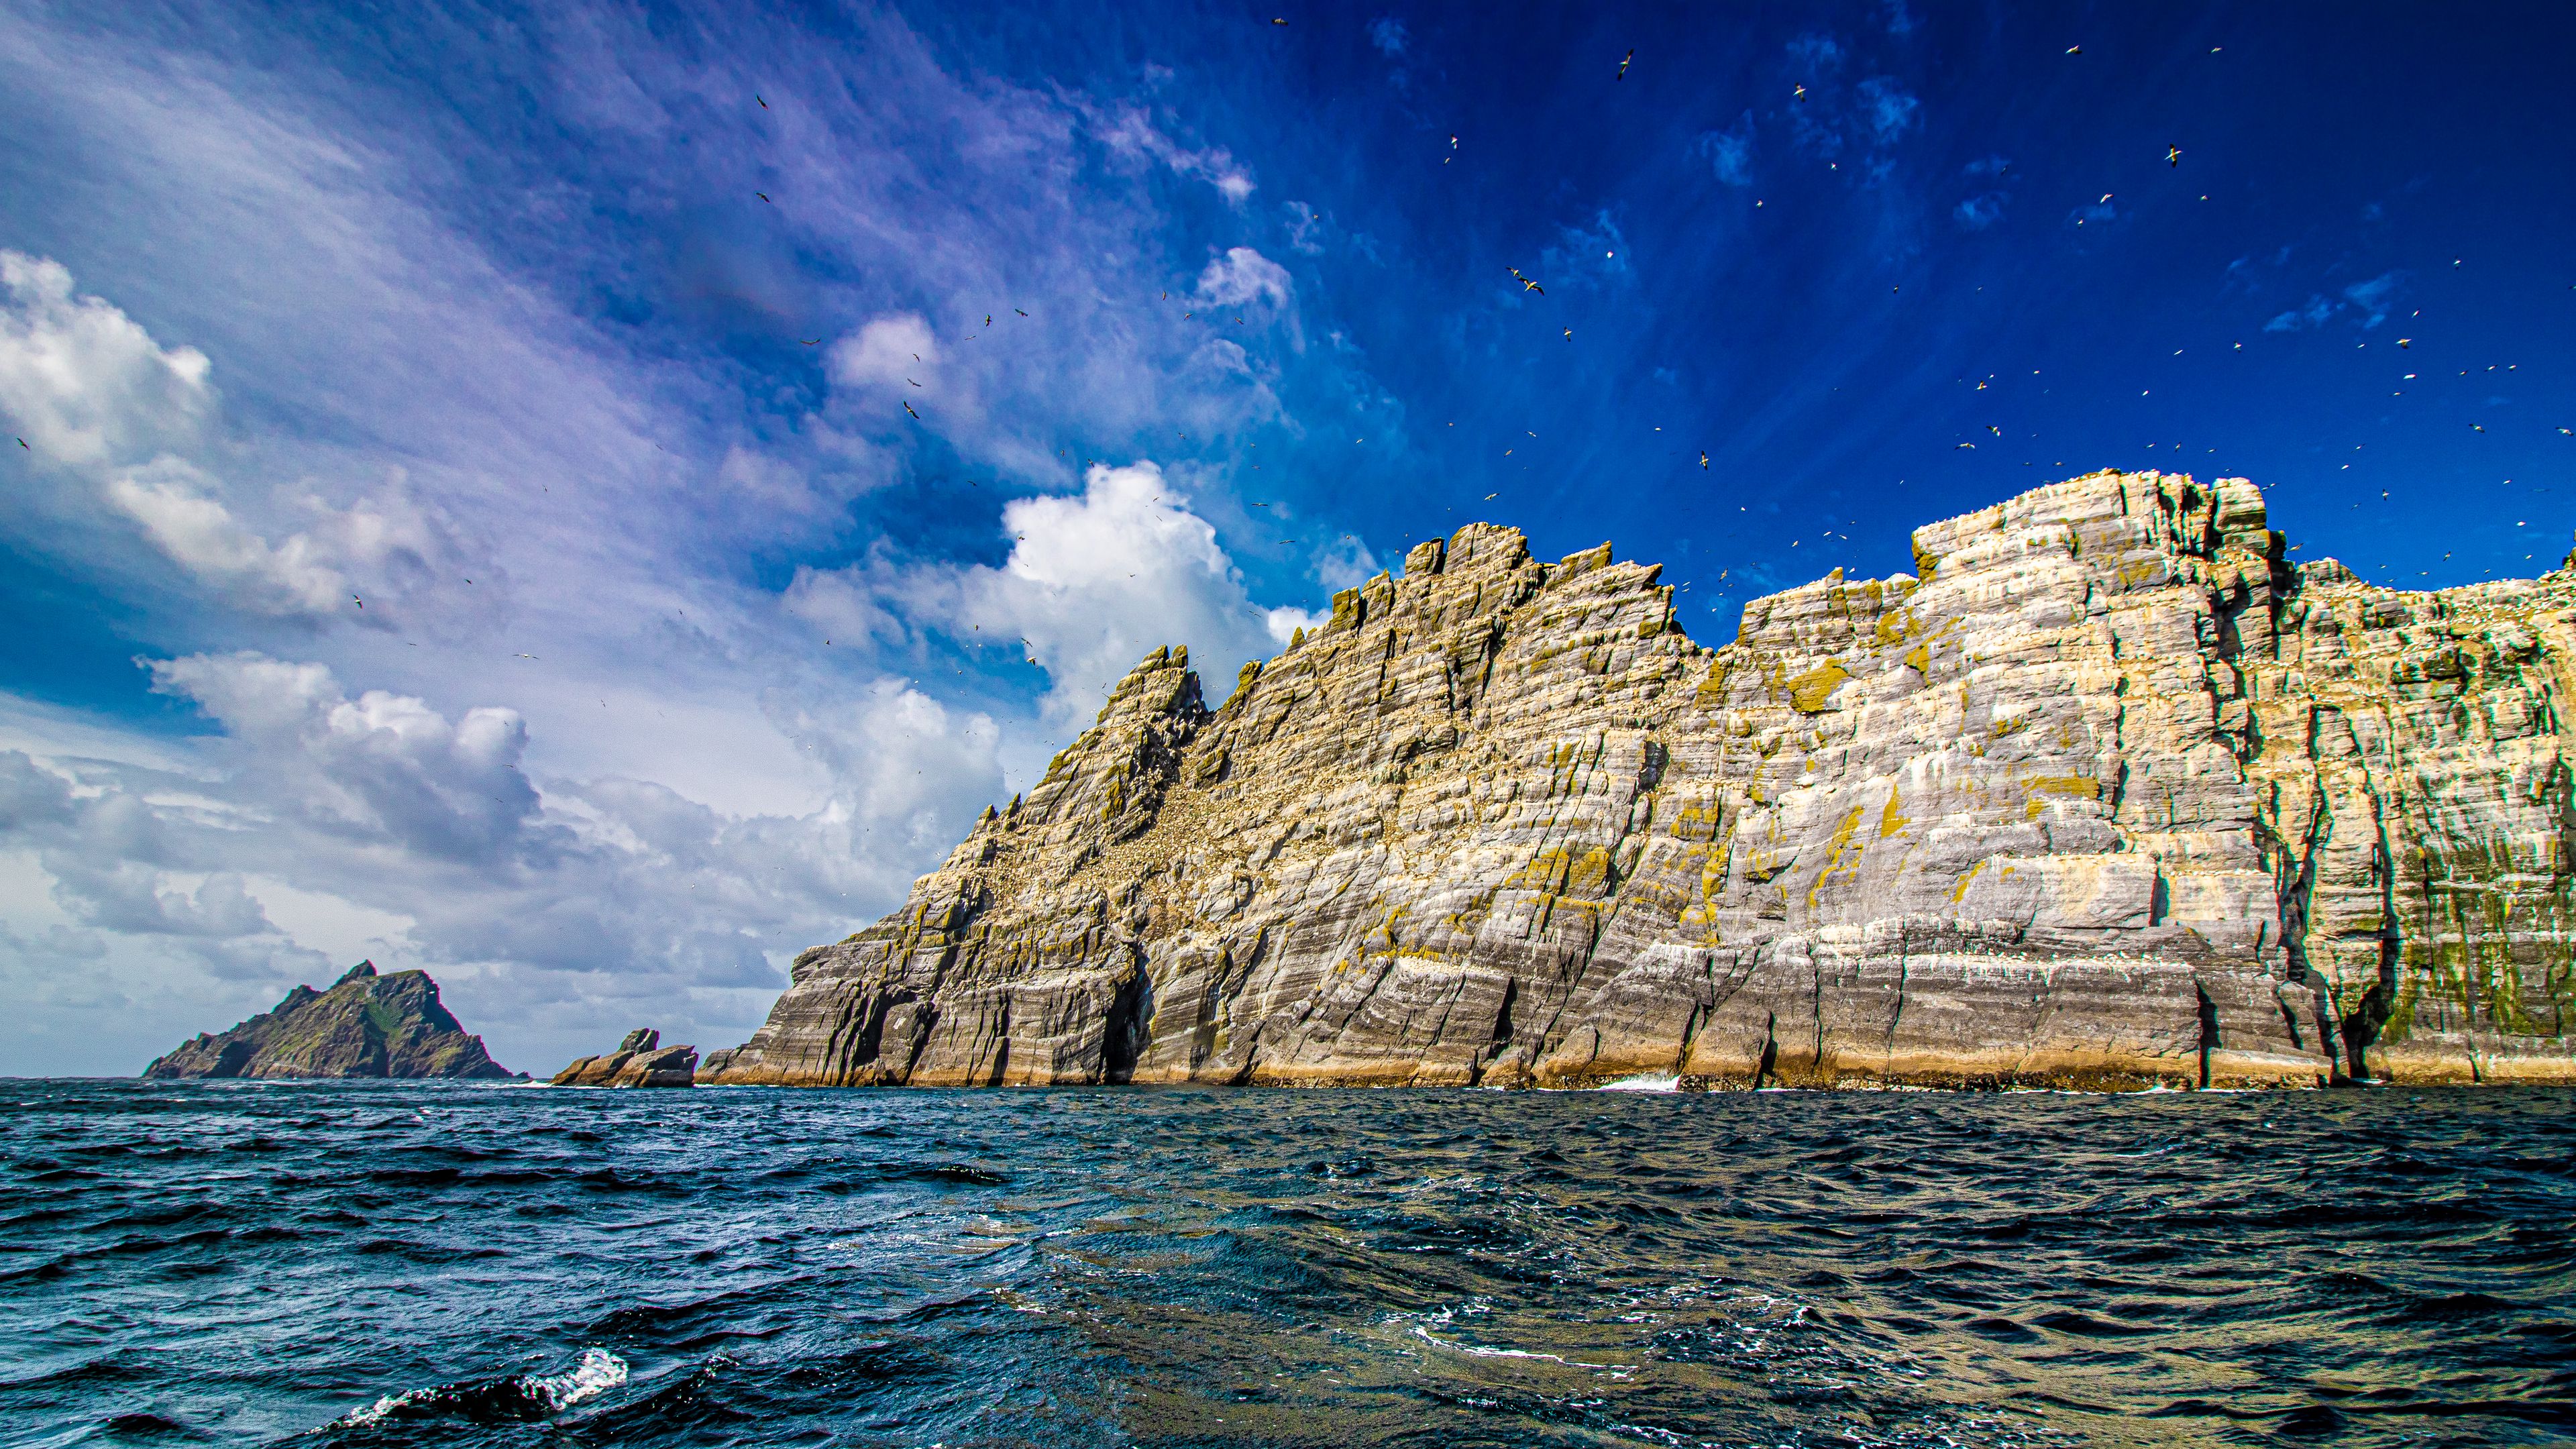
x=2109, y=792
x=366, y=1025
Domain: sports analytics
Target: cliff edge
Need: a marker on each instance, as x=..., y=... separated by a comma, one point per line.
x=2108, y=793
x=366, y=1025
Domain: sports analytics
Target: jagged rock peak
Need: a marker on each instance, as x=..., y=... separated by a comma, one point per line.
x=2108, y=791
x=366, y=1025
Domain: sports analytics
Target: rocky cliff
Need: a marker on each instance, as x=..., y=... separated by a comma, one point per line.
x=366, y=1025
x=2108, y=792
x=639, y=1061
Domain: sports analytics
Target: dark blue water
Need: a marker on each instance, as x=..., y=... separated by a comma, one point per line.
x=418, y=1264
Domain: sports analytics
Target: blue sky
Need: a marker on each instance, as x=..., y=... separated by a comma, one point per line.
x=536, y=494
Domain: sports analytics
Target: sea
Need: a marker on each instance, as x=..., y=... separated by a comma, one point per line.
x=383, y=1264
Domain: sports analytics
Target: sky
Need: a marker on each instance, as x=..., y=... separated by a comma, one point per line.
x=589, y=500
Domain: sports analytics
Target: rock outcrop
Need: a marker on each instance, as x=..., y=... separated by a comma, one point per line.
x=639, y=1061
x=2109, y=792
x=366, y=1025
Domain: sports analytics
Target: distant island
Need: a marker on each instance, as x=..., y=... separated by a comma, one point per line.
x=2111, y=791
x=366, y=1025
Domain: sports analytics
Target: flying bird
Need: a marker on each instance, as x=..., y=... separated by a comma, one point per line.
x=1623, y=66
x=2173, y=155
x=1275, y=20
x=809, y=341
x=1703, y=457
x=1798, y=93
x=764, y=105
x=1970, y=446
x=915, y=384
x=1526, y=284
x=1015, y=309
x=23, y=442
x=2405, y=341
x=1569, y=332
x=2075, y=50
x=1998, y=432
x=916, y=417
x=361, y=603
x=531, y=656
x=1490, y=497
x=763, y=195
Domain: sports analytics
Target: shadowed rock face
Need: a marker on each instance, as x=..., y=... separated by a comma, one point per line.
x=366, y=1025
x=2111, y=794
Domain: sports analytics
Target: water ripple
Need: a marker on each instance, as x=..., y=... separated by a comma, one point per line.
x=378, y=1265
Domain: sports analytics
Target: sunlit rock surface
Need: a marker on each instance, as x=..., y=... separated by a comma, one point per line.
x=2112, y=794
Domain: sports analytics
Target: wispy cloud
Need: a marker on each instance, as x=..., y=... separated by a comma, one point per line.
x=1730, y=152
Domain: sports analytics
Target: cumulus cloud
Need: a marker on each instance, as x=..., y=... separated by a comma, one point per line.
x=891, y=351
x=172, y=501
x=424, y=405
x=111, y=406
x=384, y=769
x=1094, y=582
x=1387, y=34
x=582, y=896
x=82, y=381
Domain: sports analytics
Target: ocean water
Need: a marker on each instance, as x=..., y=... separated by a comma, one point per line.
x=452, y=1264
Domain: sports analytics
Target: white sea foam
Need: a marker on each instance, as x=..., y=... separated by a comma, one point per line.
x=1645, y=1082
x=594, y=1373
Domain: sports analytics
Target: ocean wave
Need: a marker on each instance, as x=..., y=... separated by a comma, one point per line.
x=492, y=1401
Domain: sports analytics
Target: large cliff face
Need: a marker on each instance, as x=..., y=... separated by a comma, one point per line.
x=366, y=1025
x=2111, y=794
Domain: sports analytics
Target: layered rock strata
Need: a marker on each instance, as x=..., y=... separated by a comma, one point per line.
x=639, y=1061
x=2109, y=792
x=366, y=1025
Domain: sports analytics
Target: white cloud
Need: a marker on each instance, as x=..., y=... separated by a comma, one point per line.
x=84, y=382
x=1345, y=563
x=893, y=352
x=1131, y=133
x=1244, y=276
x=562, y=904
x=1282, y=624
x=383, y=768
x=169, y=498
x=1094, y=582
x=425, y=403
x=1387, y=34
